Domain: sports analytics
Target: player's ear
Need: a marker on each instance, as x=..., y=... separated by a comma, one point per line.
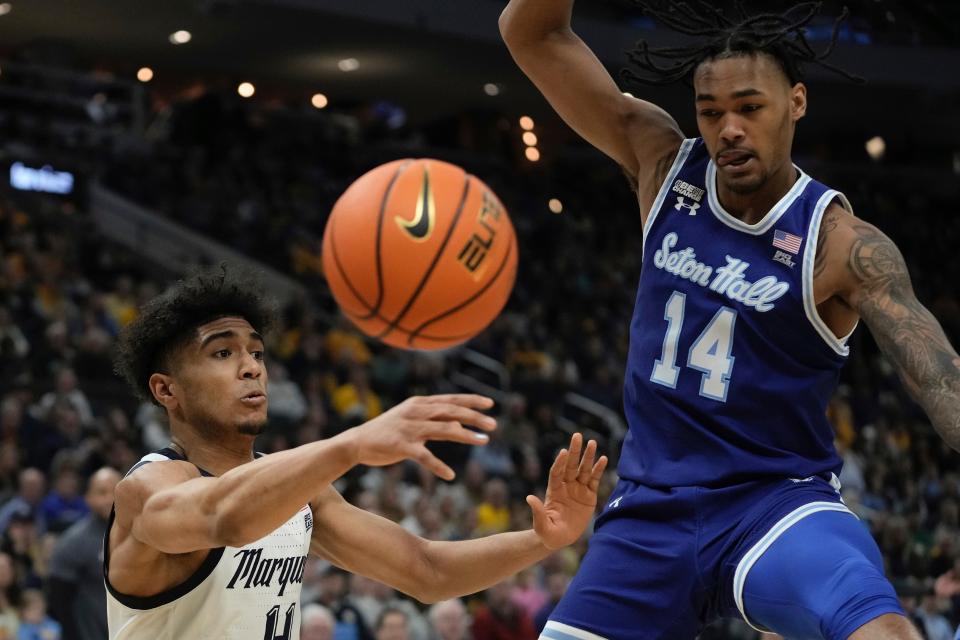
x=798, y=101
x=162, y=386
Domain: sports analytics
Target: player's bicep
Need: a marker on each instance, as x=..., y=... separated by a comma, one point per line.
x=367, y=544
x=880, y=290
x=164, y=506
x=583, y=93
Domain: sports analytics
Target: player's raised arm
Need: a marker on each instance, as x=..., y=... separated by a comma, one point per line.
x=373, y=546
x=171, y=508
x=877, y=284
x=635, y=133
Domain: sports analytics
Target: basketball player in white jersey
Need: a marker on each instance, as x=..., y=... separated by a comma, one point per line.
x=209, y=541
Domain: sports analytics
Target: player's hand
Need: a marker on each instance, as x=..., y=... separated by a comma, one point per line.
x=571, y=494
x=402, y=432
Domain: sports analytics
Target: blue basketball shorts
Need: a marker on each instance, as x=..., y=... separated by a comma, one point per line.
x=786, y=555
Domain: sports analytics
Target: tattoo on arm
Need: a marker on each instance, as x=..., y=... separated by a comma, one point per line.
x=905, y=330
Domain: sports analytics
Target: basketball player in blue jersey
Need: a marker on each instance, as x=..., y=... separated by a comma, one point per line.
x=207, y=541
x=753, y=276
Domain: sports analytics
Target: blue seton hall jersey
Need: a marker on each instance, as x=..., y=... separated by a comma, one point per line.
x=730, y=366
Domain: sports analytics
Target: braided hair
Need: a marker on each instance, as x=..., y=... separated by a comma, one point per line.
x=781, y=36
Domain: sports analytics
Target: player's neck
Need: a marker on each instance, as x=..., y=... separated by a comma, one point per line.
x=214, y=456
x=752, y=207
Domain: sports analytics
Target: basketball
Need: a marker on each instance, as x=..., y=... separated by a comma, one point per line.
x=420, y=254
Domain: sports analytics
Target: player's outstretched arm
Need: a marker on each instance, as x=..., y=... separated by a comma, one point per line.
x=878, y=286
x=168, y=506
x=375, y=547
x=637, y=134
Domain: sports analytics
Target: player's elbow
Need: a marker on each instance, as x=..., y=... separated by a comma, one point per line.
x=519, y=34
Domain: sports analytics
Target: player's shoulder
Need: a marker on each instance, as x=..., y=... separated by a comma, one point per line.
x=148, y=477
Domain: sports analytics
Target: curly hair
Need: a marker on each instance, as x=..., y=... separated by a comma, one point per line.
x=168, y=322
x=781, y=36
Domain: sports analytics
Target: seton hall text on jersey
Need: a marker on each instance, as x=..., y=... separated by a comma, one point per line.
x=729, y=280
x=257, y=571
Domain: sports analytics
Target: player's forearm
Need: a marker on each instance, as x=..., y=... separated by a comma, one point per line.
x=530, y=20
x=930, y=370
x=469, y=566
x=904, y=329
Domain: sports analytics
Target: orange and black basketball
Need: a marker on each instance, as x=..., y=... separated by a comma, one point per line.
x=420, y=254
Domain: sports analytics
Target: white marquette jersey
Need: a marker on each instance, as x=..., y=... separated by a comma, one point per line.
x=245, y=593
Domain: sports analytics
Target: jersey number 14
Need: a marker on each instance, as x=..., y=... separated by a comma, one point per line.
x=710, y=354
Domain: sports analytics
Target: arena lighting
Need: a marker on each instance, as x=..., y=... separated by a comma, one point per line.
x=533, y=154
x=530, y=138
x=348, y=64
x=5, y=8
x=45, y=179
x=145, y=74
x=526, y=123
x=180, y=37
x=555, y=205
x=245, y=89
x=319, y=100
x=876, y=147
x=491, y=89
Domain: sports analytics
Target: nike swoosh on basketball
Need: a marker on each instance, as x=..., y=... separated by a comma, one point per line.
x=421, y=226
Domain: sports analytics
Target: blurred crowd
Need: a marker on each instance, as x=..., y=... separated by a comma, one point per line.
x=262, y=180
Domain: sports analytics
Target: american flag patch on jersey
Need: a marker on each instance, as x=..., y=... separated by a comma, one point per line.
x=787, y=241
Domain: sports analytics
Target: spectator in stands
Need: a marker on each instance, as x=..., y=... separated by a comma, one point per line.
x=317, y=623
x=528, y=594
x=287, y=403
x=493, y=514
x=500, y=618
x=333, y=594
x=76, y=571
x=32, y=486
x=935, y=626
x=355, y=401
x=66, y=389
x=557, y=583
x=35, y=624
x=392, y=625
x=9, y=598
x=449, y=620
x=64, y=505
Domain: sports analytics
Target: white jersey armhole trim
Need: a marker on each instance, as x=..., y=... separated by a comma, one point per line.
x=839, y=345
x=757, y=550
x=772, y=216
x=558, y=631
x=682, y=154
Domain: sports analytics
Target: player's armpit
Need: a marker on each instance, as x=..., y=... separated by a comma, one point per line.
x=879, y=288
x=162, y=505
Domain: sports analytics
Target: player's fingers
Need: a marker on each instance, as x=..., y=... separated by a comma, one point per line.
x=559, y=466
x=453, y=431
x=463, y=415
x=586, y=462
x=434, y=464
x=471, y=400
x=576, y=443
x=536, y=505
x=597, y=473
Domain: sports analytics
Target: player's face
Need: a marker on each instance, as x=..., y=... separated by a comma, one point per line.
x=221, y=380
x=746, y=113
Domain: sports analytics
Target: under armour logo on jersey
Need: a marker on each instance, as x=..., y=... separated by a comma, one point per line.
x=693, y=206
x=615, y=503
